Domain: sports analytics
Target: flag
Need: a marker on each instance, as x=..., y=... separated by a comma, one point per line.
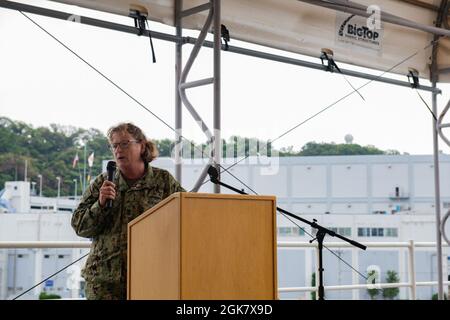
x=75, y=160
x=91, y=160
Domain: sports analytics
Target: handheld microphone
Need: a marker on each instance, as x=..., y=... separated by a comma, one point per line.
x=213, y=174
x=111, y=168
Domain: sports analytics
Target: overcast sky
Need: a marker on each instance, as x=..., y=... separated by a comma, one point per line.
x=42, y=83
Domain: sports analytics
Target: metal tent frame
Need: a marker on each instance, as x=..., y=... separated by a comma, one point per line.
x=214, y=21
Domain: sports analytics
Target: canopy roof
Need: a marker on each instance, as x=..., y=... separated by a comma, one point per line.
x=306, y=27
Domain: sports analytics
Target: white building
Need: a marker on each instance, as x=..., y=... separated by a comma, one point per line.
x=378, y=198
x=365, y=198
x=37, y=219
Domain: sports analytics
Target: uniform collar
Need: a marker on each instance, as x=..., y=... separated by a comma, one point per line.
x=146, y=181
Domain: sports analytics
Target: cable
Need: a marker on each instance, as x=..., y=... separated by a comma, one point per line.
x=428, y=107
x=342, y=98
x=225, y=170
x=108, y=79
x=50, y=276
x=115, y=85
x=357, y=271
x=349, y=94
x=99, y=72
x=348, y=81
x=324, y=109
x=316, y=114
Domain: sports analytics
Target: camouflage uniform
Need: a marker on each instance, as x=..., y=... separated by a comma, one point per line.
x=106, y=267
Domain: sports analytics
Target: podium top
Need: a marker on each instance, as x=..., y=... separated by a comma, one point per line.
x=195, y=195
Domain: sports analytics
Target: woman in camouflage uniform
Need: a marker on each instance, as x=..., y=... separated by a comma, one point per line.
x=136, y=187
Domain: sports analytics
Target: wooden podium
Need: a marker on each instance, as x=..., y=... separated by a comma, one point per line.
x=204, y=246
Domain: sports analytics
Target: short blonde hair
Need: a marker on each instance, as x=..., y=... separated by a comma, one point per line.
x=150, y=152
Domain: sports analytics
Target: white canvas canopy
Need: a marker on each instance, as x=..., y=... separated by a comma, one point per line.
x=306, y=27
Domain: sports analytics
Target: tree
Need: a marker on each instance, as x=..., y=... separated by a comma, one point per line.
x=47, y=296
x=164, y=147
x=49, y=152
x=333, y=149
x=372, y=278
x=391, y=293
x=313, y=284
x=435, y=296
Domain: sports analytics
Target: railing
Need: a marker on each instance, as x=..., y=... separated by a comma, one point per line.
x=411, y=246
x=44, y=244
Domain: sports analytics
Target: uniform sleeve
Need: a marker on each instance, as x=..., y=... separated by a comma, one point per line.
x=89, y=218
x=173, y=186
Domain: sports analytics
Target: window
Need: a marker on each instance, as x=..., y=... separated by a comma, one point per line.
x=391, y=232
x=376, y=232
x=60, y=256
x=344, y=231
x=290, y=231
x=284, y=231
x=46, y=256
x=364, y=232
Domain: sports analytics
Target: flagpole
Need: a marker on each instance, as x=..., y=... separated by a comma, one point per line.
x=84, y=169
x=75, y=164
x=81, y=179
x=89, y=175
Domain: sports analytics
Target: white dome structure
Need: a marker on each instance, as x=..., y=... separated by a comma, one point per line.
x=348, y=138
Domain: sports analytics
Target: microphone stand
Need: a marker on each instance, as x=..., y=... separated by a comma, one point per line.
x=320, y=235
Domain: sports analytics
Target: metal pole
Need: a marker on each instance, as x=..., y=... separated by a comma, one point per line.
x=40, y=184
x=412, y=270
x=209, y=44
x=57, y=198
x=320, y=236
x=434, y=75
x=355, y=263
x=15, y=272
x=37, y=269
x=178, y=106
x=316, y=273
x=75, y=195
x=25, y=170
x=59, y=185
x=437, y=197
x=217, y=120
x=362, y=11
x=84, y=168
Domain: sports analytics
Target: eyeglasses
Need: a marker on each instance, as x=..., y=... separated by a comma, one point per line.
x=122, y=144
